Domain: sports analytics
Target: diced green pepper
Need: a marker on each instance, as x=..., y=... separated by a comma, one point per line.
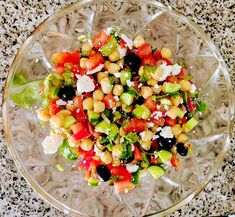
x=156, y=171
x=102, y=127
x=132, y=138
x=125, y=75
x=171, y=87
x=190, y=124
x=109, y=47
x=68, y=121
x=135, y=178
x=127, y=98
x=164, y=155
x=68, y=78
x=185, y=97
x=93, y=116
x=147, y=71
x=70, y=153
x=145, y=161
x=141, y=112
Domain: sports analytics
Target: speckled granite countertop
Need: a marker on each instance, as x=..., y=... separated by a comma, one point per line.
x=19, y=17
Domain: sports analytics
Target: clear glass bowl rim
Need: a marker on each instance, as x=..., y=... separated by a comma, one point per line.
x=20, y=53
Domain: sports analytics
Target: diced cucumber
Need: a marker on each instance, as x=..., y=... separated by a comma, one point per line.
x=54, y=92
x=165, y=101
x=171, y=87
x=135, y=178
x=109, y=47
x=127, y=98
x=141, y=112
x=164, y=155
x=132, y=138
x=147, y=71
x=116, y=116
x=125, y=75
x=68, y=121
x=185, y=97
x=156, y=171
x=190, y=124
x=93, y=116
x=180, y=113
x=93, y=182
x=68, y=78
x=113, y=131
x=102, y=127
x=70, y=153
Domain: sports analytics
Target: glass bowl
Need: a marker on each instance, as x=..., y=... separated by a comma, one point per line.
x=161, y=26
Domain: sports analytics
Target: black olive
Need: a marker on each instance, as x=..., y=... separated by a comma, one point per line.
x=133, y=61
x=140, y=100
x=66, y=93
x=103, y=172
x=129, y=160
x=165, y=143
x=181, y=149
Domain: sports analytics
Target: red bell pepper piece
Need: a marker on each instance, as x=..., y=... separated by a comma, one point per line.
x=174, y=161
x=136, y=125
x=144, y=50
x=121, y=172
x=100, y=40
x=170, y=122
x=109, y=101
x=94, y=60
x=137, y=153
x=53, y=109
x=150, y=104
x=83, y=133
x=160, y=121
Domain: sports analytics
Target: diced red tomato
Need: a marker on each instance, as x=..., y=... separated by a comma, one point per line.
x=160, y=121
x=94, y=61
x=109, y=101
x=170, y=122
x=87, y=159
x=87, y=95
x=191, y=106
x=59, y=59
x=137, y=153
x=83, y=133
x=184, y=120
x=174, y=161
x=100, y=40
x=80, y=115
x=150, y=104
x=157, y=55
x=77, y=102
x=136, y=125
x=121, y=172
x=182, y=72
x=122, y=185
x=76, y=128
x=172, y=79
x=153, y=160
x=78, y=70
x=92, y=131
x=144, y=50
x=149, y=60
x=53, y=109
x=74, y=57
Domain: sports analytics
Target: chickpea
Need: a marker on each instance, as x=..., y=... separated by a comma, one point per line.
x=98, y=95
x=182, y=137
x=146, y=135
x=73, y=143
x=175, y=100
x=176, y=130
x=106, y=157
x=151, y=82
x=88, y=103
x=157, y=74
x=185, y=85
x=43, y=114
x=146, y=145
x=118, y=90
x=138, y=41
x=101, y=76
x=106, y=86
x=166, y=53
x=146, y=92
x=86, y=144
x=141, y=71
x=173, y=112
x=126, y=108
x=117, y=150
x=106, y=64
x=157, y=89
x=56, y=121
x=116, y=162
x=86, y=47
x=83, y=63
x=118, y=104
x=113, y=68
x=99, y=106
x=114, y=56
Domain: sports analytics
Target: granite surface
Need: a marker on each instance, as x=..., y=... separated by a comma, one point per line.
x=18, y=19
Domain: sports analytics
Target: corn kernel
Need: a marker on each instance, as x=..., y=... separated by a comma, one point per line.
x=176, y=100
x=176, y=130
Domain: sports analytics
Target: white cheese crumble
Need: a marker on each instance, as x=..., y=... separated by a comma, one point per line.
x=60, y=102
x=117, y=74
x=159, y=129
x=142, y=135
x=97, y=151
x=70, y=102
x=51, y=144
x=155, y=137
x=193, y=88
x=128, y=41
x=140, y=85
x=166, y=132
x=176, y=69
x=132, y=168
x=97, y=69
x=85, y=84
x=150, y=124
x=122, y=140
x=121, y=51
x=129, y=83
x=166, y=72
x=116, y=98
x=157, y=115
x=156, y=86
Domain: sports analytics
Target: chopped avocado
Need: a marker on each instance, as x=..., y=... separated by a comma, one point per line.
x=185, y=97
x=135, y=178
x=127, y=98
x=147, y=71
x=171, y=87
x=132, y=138
x=190, y=124
x=156, y=171
x=164, y=155
x=102, y=127
x=145, y=161
x=125, y=75
x=93, y=182
x=70, y=153
x=141, y=112
x=93, y=116
x=68, y=121
x=109, y=47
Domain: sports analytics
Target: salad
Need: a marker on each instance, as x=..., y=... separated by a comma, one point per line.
x=119, y=106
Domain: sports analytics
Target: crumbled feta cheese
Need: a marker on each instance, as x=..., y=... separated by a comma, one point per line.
x=60, y=102
x=166, y=72
x=97, y=151
x=166, y=132
x=181, y=101
x=176, y=69
x=78, y=76
x=142, y=135
x=70, y=102
x=155, y=137
x=116, y=98
x=129, y=83
x=122, y=140
x=150, y=124
x=156, y=86
x=193, y=88
x=132, y=147
x=128, y=41
x=140, y=85
x=132, y=168
x=157, y=115
x=166, y=107
x=97, y=69
x=51, y=144
x=117, y=74
x=121, y=51
x=121, y=65
x=85, y=84
x=159, y=129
